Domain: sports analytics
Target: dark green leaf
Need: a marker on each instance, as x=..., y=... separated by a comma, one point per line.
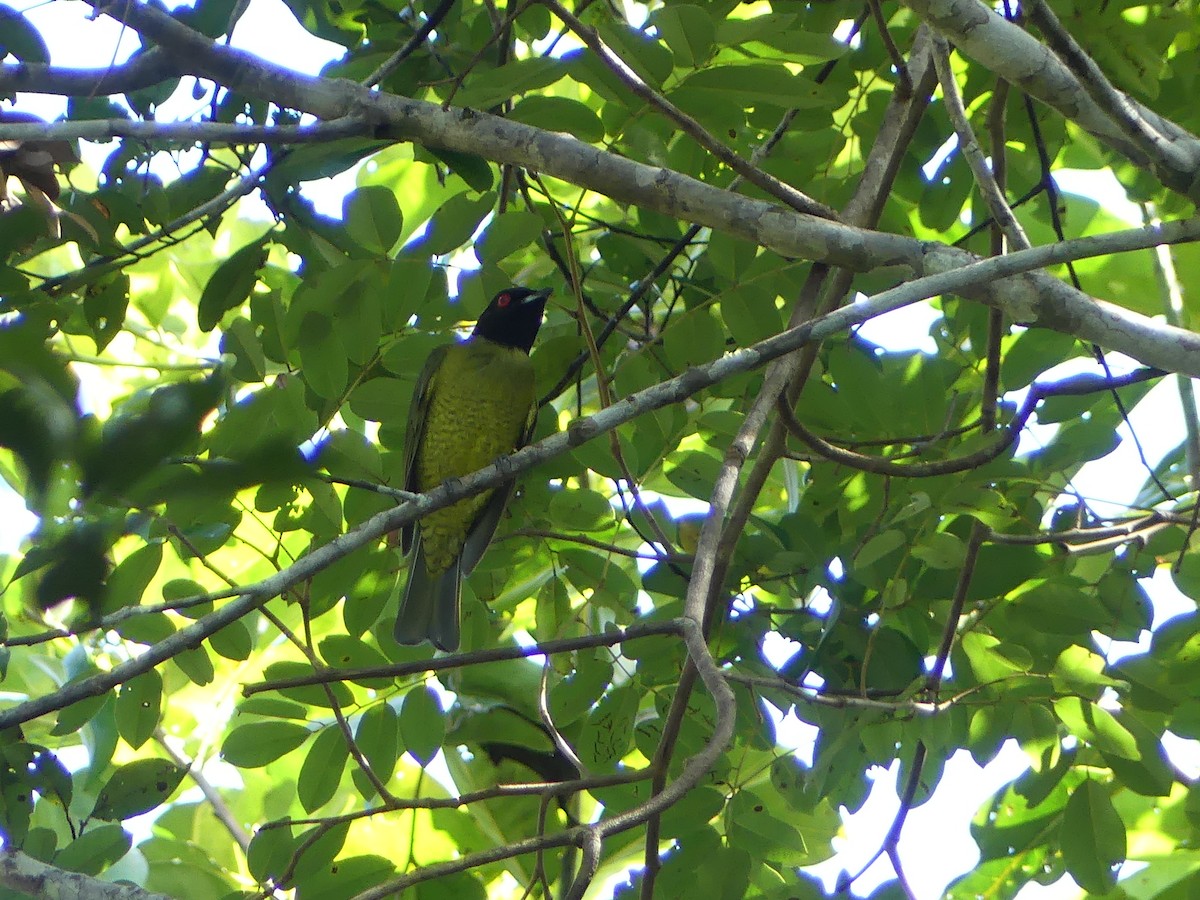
x=373, y=218
x=139, y=707
x=378, y=737
x=258, y=743
x=322, y=769
x=580, y=510
x=230, y=285
x=607, y=733
x=493, y=86
x=559, y=114
x=94, y=850
x=137, y=787
x=688, y=31
x=422, y=724
x=1092, y=838
x=454, y=223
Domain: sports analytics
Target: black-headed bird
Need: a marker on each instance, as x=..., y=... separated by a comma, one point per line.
x=474, y=403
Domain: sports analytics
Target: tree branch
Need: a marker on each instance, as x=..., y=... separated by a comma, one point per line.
x=30, y=876
x=592, y=836
x=689, y=126
x=580, y=431
x=460, y=660
x=1017, y=56
x=142, y=71
x=1036, y=299
x=1125, y=112
x=187, y=133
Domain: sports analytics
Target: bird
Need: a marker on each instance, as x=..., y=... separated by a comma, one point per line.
x=474, y=402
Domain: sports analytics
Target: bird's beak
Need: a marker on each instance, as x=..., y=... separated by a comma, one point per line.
x=541, y=296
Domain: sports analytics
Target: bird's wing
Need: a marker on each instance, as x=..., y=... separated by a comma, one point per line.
x=418, y=413
x=484, y=529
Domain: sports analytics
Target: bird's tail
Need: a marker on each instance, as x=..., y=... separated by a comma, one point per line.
x=430, y=607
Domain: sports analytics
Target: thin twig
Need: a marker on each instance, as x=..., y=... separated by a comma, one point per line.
x=432, y=21
x=220, y=808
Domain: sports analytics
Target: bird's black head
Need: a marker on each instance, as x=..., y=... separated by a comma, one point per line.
x=513, y=317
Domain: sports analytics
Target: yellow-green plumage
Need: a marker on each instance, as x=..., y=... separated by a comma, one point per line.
x=474, y=403
x=479, y=404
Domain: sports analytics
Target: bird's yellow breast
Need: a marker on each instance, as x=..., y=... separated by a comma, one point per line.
x=480, y=400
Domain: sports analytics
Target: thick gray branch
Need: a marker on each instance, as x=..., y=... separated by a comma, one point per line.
x=142, y=71
x=1118, y=106
x=1034, y=299
x=1018, y=57
x=36, y=879
x=188, y=133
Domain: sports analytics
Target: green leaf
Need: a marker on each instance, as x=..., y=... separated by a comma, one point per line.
x=688, y=31
x=239, y=339
x=342, y=651
x=274, y=707
x=322, y=769
x=373, y=218
x=136, y=788
x=356, y=874
x=1062, y=607
x=271, y=853
x=575, y=694
x=693, y=472
x=359, y=319
x=378, y=737
x=493, y=86
x=139, y=708
x=941, y=550
x=1092, y=838
x=1150, y=773
x=748, y=310
x=104, y=307
x=1097, y=726
x=508, y=233
x=992, y=661
x=382, y=400
x=454, y=223
x=230, y=285
x=580, y=510
x=474, y=170
x=755, y=826
x=234, y=641
x=559, y=114
x=693, y=339
x=751, y=85
x=422, y=724
x=312, y=694
x=324, y=359
x=1080, y=671
x=129, y=580
x=599, y=573
x=881, y=545
x=553, y=610
x=607, y=734
x=72, y=718
x=20, y=38
x=254, y=745
x=694, y=811
x=650, y=60
x=196, y=664
x=94, y=850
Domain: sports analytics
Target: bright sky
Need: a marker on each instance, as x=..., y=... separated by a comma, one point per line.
x=936, y=846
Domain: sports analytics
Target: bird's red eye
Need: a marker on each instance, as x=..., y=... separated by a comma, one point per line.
x=503, y=300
